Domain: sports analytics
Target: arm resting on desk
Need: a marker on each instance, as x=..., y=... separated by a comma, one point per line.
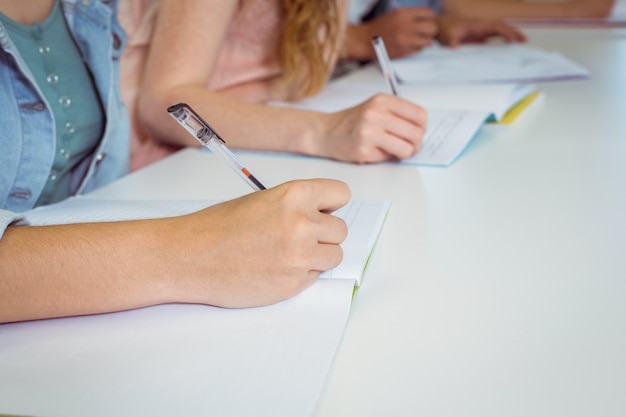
x=255, y=250
x=505, y=9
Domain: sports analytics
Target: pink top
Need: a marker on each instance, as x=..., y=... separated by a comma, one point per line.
x=249, y=50
x=248, y=54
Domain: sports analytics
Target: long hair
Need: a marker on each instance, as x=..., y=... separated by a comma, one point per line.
x=309, y=44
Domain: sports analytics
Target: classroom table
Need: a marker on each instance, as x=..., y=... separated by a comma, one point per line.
x=497, y=285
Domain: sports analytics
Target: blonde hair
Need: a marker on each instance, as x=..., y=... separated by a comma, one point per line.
x=309, y=44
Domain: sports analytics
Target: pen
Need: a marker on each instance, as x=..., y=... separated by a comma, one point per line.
x=385, y=63
x=200, y=129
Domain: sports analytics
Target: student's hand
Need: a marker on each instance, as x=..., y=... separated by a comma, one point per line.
x=251, y=251
x=261, y=248
x=457, y=30
x=404, y=31
x=383, y=128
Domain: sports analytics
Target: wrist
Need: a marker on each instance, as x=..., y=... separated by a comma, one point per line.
x=358, y=44
x=313, y=135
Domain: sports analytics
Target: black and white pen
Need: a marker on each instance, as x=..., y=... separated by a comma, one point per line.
x=200, y=129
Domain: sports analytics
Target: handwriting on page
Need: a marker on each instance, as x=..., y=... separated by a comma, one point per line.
x=447, y=135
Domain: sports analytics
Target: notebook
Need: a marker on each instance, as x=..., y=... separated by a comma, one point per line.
x=456, y=111
x=450, y=129
x=180, y=359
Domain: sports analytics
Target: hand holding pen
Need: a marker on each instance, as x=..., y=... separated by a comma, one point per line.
x=247, y=245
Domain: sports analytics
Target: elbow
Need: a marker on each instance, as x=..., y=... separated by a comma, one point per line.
x=153, y=118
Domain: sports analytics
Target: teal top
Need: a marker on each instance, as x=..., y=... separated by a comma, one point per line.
x=61, y=75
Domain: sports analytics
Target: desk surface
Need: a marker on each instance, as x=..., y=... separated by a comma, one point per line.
x=497, y=286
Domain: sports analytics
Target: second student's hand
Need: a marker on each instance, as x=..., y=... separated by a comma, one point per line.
x=405, y=30
x=258, y=249
x=454, y=31
x=383, y=128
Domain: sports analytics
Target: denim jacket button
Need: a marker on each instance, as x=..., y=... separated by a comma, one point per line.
x=24, y=194
x=100, y=157
x=117, y=42
x=36, y=106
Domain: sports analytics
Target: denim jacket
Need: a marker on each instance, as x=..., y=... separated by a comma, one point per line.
x=27, y=131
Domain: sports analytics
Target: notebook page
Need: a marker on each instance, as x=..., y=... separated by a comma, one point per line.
x=177, y=359
x=447, y=135
x=365, y=220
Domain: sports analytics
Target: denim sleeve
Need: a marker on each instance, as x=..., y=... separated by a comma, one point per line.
x=7, y=218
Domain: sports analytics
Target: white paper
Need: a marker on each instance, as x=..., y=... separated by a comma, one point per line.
x=495, y=99
x=447, y=135
x=365, y=220
x=266, y=361
x=485, y=63
x=177, y=360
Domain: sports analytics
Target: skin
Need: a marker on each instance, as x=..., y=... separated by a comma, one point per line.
x=503, y=9
x=255, y=250
x=409, y=30
x=37, y=11
x=382, y=128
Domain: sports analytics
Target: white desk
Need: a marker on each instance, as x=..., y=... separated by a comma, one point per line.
x=497, y=286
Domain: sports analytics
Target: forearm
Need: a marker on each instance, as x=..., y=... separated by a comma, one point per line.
x=502, y=9
x=242, y=124
x=358, y=43
x=79, y=269
x=239, y=253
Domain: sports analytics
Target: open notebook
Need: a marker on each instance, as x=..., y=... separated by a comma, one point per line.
x=456, y=112
x=179, y=359
x=462, y=88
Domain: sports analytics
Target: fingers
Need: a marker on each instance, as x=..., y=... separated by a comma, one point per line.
x=328, y=257
x=318, y=197
x=407, y=128
x=330, y=194
x=405, y=30
x=511, y=34
x=417, y=13
x=456, y=31
x=390, y=128
x=330, y=229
